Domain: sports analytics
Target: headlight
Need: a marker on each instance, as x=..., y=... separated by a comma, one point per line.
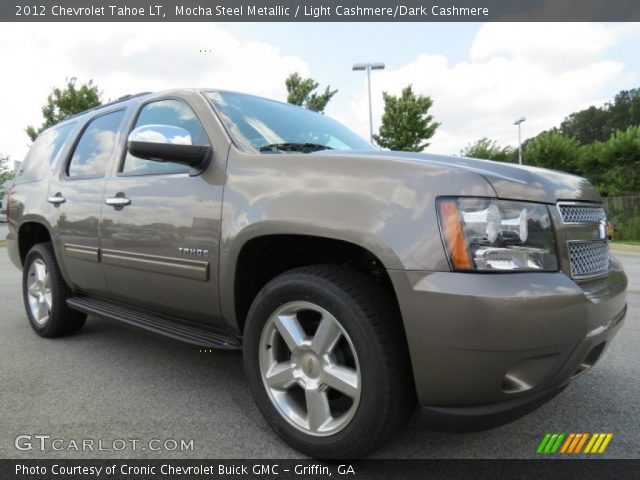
x=497, y=235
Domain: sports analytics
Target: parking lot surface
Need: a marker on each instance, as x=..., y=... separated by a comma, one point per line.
x=109, y=382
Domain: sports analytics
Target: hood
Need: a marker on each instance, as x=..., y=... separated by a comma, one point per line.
x=510, y=181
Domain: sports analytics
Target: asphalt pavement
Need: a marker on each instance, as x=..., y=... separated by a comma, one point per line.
x=111, y=383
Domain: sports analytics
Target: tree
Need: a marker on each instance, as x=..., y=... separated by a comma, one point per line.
x=553, y=150
x=586, y=126
x=6, y=175
x=597, y=124
x=624, y=112
x=620, y=162
x=66, y=101
x=302, y=92
x=406, y=123
x=489, y=150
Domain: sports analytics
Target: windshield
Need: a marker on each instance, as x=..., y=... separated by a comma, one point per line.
x=270, y=126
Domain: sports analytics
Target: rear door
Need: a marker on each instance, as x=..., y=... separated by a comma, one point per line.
x=76, y=197
x=161, y=225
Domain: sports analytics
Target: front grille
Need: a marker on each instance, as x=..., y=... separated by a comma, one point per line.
x=588, y=258
x=582, y=213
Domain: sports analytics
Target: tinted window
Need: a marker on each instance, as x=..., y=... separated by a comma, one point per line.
x=42, y=154
x=95, y=147
x=165, y=112
x=263, y=122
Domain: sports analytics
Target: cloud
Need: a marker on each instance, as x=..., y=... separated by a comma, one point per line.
x=127, y=58
x=542, y=71
x=558, y=44
x=538, y=70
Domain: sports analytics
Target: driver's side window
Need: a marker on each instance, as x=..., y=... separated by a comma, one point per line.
x=175, y=113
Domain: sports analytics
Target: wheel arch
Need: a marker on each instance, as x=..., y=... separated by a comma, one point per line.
x=260, y=258
x=30, y=233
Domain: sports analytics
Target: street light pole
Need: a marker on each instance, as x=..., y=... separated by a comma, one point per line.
x=368, y=67
x=518, y=122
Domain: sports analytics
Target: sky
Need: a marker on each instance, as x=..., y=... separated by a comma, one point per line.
x=481, y=77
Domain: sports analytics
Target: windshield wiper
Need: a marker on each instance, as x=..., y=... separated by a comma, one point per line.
x=294, y=147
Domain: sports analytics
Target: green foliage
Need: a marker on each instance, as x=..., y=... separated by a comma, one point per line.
x=66, y=101
x=628, y=231
x=626, y=221
x=600, y=143
x=302, y=92
x=6, y=175
x=612, y=166
x=599, y=123
x=586, y=126
x=553, y=150
x=406, y=123
x=618, y=162
x=593, y=167
x=490, y=150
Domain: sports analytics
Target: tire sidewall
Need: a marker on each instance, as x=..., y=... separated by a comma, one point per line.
x=353, y=320
x=62, y=320
x=36, y=254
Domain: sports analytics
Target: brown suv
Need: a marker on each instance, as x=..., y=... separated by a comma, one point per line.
x=356, y=281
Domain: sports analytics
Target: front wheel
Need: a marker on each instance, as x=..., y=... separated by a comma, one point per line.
x=326, y=358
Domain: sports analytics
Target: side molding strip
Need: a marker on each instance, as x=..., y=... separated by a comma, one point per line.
x=195, y=269
x=81, y=252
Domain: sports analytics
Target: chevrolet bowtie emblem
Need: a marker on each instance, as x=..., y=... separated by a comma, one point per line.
x=310, y=366
x=602, y=230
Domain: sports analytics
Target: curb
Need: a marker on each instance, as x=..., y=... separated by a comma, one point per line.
x=624, y=248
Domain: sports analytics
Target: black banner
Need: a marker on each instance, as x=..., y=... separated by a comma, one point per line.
x=318, y=10
x=547, y=469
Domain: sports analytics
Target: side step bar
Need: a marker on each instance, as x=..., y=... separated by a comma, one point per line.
x=165, y=326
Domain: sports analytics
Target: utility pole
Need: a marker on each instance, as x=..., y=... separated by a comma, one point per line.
x=518, y=122
x=368, y=67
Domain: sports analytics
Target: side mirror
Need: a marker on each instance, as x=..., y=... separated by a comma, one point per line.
x=166, y=143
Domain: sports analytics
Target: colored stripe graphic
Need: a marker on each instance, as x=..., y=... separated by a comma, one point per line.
x=605, y=443
x=598, y=443
x=551, y=443
x=592, y=441
x=573, y=443
x=583, y=439
x=543, y=443
x=568, y=442
x=556, y=446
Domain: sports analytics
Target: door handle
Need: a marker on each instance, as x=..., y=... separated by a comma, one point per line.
x=57, y=199
x=118, y=201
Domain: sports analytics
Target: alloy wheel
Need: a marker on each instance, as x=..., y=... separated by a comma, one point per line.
x=39, y=289
x=310, y=368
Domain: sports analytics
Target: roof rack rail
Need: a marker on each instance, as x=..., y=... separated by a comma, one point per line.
x=113, y=102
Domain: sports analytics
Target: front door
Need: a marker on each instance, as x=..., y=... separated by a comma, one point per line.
x=160, y=226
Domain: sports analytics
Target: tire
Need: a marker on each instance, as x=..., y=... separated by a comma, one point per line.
x=346, y=305
x=45, y=294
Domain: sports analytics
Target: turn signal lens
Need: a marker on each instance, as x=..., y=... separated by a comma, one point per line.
x=452, y=229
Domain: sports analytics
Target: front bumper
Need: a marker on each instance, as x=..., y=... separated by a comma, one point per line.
x=482, y=341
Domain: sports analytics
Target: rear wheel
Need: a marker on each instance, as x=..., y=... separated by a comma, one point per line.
x=326, y=357
x=45, y=294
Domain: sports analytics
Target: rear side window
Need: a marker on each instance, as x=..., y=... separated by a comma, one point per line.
x=94, y=150
x=42, y=154
x=165, y=112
